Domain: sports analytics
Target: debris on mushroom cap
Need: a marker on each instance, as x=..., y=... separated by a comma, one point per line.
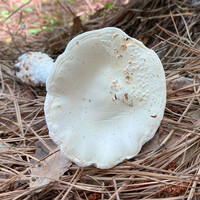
x=34, y=67
x=105, y=98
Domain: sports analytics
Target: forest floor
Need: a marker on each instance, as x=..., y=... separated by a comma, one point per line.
x=167, y=167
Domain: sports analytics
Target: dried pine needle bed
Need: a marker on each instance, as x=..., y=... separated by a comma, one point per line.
x=168, y=166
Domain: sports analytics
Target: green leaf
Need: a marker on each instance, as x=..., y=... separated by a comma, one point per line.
x=70, y=24
x=82, y=18
x=27, y=9
x=25, y=1
x=47, y=28
x=34, y=31
x=109, y=5
x=15, y=7
x=53, y=21
x=46, y=16
x=8, y=20
x=100, y=14
x=69, y=1
x=5, y=13
x=55, y=13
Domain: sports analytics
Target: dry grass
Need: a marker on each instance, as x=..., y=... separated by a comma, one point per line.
x=171, y=172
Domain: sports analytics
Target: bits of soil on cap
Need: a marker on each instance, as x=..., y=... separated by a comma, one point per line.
x=115, y=35
x=128, y=78
x=40, y=58
x=128, y=42
x=116, y=51
x=25, y=67
x=126, y=96
x=153, y=116
x=115, y=82
x=77, y=42
x=119, y=56
x=123, y=47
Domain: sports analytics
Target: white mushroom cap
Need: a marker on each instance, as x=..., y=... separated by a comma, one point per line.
x=105, y=98
x=34, y=67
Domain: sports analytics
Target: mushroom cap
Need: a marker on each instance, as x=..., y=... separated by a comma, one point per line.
x=34, y=67
x=105, y=98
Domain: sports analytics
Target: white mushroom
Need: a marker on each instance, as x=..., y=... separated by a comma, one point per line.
x=105, y=98
x=34, y=67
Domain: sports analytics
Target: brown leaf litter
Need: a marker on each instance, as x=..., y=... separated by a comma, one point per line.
x=50, y=168
x=166, y=168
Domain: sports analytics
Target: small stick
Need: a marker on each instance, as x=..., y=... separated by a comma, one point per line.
x=74, y=182
x=69, y=9
x=15, y=11
x=90, y=5
x=116, y=190
x=121, y=188
x=191, y=194
x=187, y=30
x=174, y=23
x=13, y=39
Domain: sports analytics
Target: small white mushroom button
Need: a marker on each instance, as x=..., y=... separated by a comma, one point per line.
x=34, y=67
